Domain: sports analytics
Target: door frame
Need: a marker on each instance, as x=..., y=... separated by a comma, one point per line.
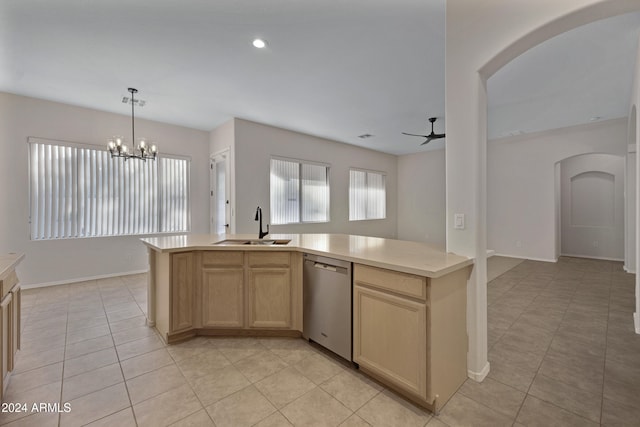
x=215, y=157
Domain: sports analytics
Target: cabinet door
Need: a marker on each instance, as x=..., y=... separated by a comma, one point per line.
x=390, y=338
x=222, y=297
x=182, y=286
x=14, y=325
x=16, y=294
x=6, y=341
x=269, y=298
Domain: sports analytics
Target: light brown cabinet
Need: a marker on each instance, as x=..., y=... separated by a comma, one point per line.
x=222, y=281
x=16, y=297
x=223, y=297
x=390, y=337
x=182, y=291
x=410, y=331
x=6, y=319
x=220, y=292
x=10, y=301
x=269, y=302
x=269, y=289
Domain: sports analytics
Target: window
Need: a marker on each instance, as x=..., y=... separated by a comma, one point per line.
x=80, y=191
x=367, y=195
x=299, y=192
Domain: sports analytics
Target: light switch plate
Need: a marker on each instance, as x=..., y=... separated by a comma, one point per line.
x=458, y=221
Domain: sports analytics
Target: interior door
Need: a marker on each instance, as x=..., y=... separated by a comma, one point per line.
x=220, y=207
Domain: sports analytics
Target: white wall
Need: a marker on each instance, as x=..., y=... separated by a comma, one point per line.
x=255, y=144
x=65, y=260
x=521, y=207
x=421, y=198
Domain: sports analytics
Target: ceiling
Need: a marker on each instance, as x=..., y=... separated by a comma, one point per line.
x=332, y=68
x=577, y=77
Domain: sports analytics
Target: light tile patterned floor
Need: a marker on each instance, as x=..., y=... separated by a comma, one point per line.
x=562, y=352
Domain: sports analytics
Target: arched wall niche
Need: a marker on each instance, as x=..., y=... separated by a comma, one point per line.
x=591, y=198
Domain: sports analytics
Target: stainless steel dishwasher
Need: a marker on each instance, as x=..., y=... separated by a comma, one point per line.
x=327, y=303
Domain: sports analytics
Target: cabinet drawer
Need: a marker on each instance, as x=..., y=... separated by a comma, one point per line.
x=223, y=258
x=269, y=259
x=402, y=283
x=8, y=282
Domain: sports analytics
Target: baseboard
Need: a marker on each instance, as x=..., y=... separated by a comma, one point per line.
x=628, y=270
x=81, y=279
x=479, y=376
x=594, y=257
x=636, y=321
x=490, y=253
x=526, y=257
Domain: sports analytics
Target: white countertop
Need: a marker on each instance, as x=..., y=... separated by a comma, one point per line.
x=399, y=255
x=8, y=262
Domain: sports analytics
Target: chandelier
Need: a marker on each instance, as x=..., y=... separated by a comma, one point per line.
x=143, y=150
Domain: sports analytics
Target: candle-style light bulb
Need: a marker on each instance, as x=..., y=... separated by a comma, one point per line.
x=125, y=149
x=153, y=148
x=111, y=145
x=118, y=142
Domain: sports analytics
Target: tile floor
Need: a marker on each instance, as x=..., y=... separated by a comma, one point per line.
x=562, y=352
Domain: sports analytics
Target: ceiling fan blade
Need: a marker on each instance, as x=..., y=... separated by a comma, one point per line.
x=428, y=140
x=437, y=135
x=413, y=134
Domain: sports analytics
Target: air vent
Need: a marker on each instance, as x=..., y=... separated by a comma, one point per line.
x=365, y=136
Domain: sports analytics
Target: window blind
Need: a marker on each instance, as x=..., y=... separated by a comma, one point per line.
x=367, y=195
x=299, y=192
x=79, y=191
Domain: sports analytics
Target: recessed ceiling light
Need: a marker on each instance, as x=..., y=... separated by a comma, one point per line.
x=259, y=43
x=595, y=118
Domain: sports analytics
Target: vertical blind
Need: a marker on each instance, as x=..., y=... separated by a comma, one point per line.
x=367, y=195
x=78, y=191
x=299, y=192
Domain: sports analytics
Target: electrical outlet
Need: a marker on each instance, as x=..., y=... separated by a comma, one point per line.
x=458, y=221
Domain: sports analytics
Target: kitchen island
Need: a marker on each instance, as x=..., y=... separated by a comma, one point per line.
x=409, y=300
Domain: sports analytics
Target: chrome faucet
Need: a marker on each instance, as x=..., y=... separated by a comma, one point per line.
x=261, y=233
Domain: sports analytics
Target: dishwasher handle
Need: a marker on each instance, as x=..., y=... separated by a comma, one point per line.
x=327, y=267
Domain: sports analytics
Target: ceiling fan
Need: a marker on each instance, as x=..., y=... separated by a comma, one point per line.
x=429, y=137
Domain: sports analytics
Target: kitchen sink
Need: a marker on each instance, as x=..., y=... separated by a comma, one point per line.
x=267, y=242
x=262, y=242
x=229, y=242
